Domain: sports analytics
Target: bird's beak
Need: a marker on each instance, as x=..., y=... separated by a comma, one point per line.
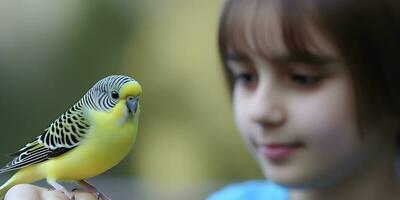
x=132, y=103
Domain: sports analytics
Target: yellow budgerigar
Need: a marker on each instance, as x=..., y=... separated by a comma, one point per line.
x=94, y=135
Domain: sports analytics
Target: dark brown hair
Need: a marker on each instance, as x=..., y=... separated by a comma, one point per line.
x=365, y=33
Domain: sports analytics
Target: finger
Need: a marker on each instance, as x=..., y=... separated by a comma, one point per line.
x=23, y=192
x=32, y=192
x=53, y=195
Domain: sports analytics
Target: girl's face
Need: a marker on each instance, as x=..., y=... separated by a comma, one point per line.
x=297, y=112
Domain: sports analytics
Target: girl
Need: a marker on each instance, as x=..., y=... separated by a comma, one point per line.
x=315, y=95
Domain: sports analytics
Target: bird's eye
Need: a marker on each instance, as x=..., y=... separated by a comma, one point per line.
x=114, y=95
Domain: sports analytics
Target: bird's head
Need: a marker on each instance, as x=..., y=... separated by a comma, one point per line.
x=115, y=94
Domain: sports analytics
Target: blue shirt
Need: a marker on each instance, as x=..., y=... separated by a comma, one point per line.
x=251, y=190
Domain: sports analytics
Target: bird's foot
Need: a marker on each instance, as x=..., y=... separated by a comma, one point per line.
x=98, y=195
x=91, y=189
x=58, y=187
x=77, y=190
x=72, y=197
x=101, y=196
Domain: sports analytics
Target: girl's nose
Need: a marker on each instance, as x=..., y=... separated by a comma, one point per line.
x=268, y=107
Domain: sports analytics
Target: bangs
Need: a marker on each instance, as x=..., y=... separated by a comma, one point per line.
x=266, y=27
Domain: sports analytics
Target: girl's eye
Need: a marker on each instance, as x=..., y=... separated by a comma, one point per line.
x=305, y=80
x=245, y=78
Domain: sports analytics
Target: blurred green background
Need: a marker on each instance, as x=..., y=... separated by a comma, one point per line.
x=51, y=52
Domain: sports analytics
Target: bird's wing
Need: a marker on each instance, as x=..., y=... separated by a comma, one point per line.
x=63, y=135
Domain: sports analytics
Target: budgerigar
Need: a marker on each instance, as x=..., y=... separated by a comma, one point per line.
x=91, y=137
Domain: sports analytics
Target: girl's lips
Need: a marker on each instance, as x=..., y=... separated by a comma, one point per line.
x=277, y=152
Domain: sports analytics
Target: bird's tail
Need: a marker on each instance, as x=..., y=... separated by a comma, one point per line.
x=25, y=175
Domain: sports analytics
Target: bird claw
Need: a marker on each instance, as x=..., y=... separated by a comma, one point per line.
x=91, y=189
x=101, y=196
x=60, y=188
x=77, y=190
x=69, y=195
x=98, y=195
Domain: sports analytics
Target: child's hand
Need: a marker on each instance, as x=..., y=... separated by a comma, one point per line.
x=31, y=192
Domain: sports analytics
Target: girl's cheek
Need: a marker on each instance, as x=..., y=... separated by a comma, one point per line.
x=327, y=122
x=240, y=115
